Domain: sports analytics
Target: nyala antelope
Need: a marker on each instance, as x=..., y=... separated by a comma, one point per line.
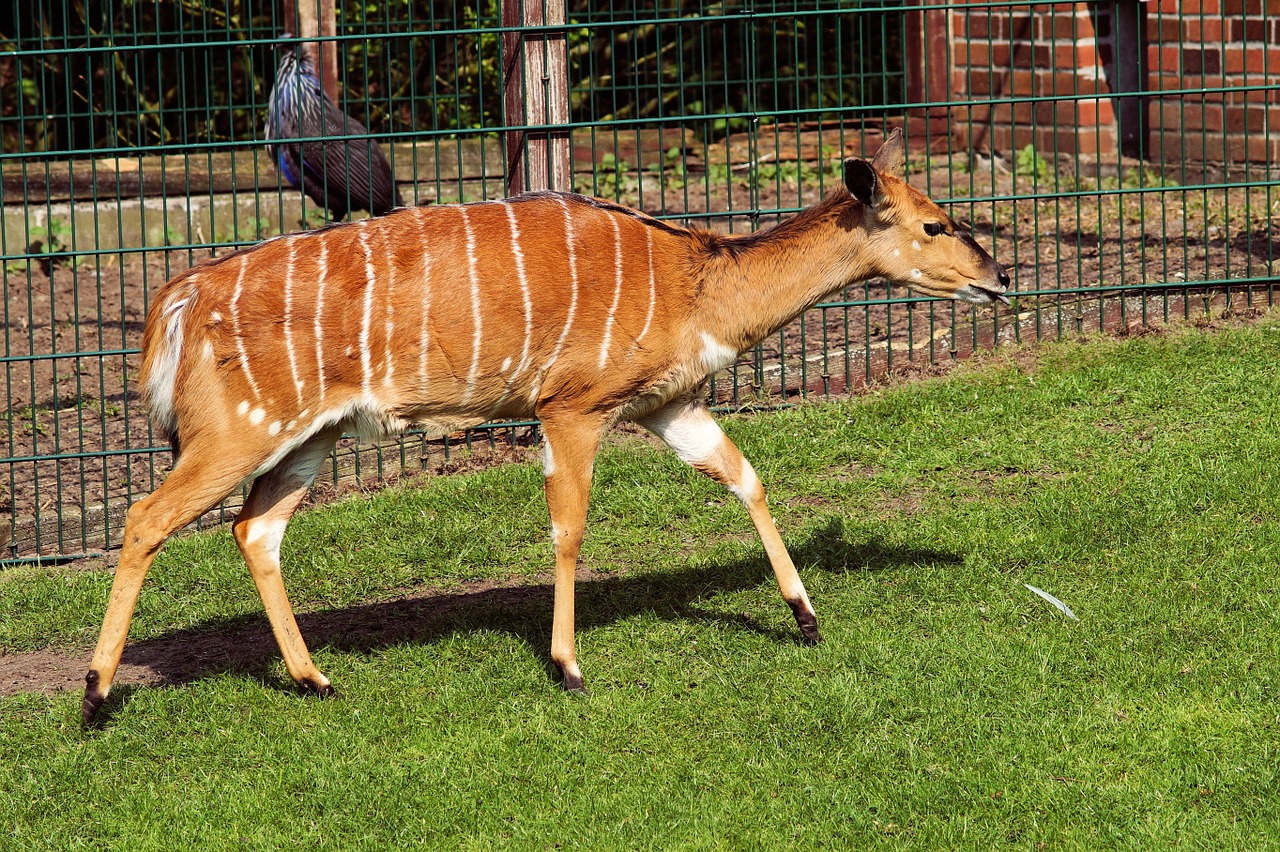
x=576, y=311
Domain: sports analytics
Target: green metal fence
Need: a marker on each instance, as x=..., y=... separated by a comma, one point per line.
x=1118, y=157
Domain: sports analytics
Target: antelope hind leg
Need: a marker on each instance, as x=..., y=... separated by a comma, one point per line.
x=688, y=428
x=190, y=490
x=258, y=531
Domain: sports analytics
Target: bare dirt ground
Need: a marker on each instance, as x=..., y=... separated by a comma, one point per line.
x=1141, y=247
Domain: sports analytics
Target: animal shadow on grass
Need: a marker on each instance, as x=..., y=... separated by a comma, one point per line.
x=245, y=644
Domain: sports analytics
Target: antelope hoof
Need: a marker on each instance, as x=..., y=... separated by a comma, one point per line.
x=320, y=690
x=808, y=623
x=572, y=682
x=93, y=698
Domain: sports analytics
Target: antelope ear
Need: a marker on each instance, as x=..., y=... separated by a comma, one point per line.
x=892, y=155
x=862, y=181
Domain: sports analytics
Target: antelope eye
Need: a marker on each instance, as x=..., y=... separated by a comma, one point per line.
x=933, y=229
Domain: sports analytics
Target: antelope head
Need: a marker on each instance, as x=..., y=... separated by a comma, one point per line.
x=912, y=240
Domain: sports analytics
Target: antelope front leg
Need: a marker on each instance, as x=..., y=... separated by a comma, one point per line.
x=688, y=428
x=569, y=451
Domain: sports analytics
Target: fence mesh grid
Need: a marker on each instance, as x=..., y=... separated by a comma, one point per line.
x=1118, y=157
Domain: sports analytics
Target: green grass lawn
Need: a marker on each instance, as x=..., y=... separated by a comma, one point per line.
x=949, y=707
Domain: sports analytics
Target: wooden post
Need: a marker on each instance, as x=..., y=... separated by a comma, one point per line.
x=535, y=80
x=317, y=19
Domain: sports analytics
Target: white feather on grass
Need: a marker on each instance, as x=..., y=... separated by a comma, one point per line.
x=1063, y=608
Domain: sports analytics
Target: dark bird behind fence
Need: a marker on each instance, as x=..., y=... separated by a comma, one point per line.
x=322, y=150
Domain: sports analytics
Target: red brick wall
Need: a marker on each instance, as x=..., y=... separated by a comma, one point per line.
x=1215, y=44
x=1056, y=65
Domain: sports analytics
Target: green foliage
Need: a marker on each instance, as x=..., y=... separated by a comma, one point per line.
x=174, y=236
x=1029, y=163
x=93, y=68
x=54, y=240
x=55, y=237
x=805, y=174
x=1144, y=177
x=315, y=217
x=613, y=178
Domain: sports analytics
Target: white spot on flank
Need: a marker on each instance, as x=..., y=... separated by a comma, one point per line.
x=617, y=290
x=506, y=365
x=518, y=254
x=235, y=326
x=257, y=416
x=288, y=311
x=916, y=273
x=243, y=408
x=897, y=252
x=207, y=350
x=573, y=285
x=274, y=428
x=215, y=316
x=715, y=355
x=475, y=306
x=915, y=244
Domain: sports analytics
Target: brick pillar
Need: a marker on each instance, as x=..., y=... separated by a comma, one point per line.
x=1096, y=59
x=929, y=68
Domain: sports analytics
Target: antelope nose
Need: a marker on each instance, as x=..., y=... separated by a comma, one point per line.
x=1002, y=277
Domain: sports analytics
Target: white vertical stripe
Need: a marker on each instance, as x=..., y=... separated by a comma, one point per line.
x=617, y=290
x=518, y=253
x=653, y=289
x=235, y=326
x=288, y=318
x=573, y=283
x=426, y=303
x=388, y=365
x=475, y=307
x=370, y=276
x=322, y=271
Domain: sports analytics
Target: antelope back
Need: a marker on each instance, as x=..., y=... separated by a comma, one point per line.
x=440, y=315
